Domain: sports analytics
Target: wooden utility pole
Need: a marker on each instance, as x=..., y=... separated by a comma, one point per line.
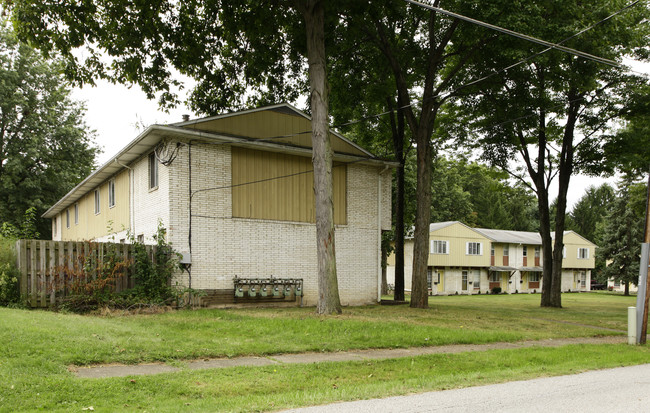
x=646, y=240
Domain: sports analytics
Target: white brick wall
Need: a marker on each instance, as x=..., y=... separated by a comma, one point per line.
x=150, y=205
x=223, y=247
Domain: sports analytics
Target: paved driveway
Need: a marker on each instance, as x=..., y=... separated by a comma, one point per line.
x=624, y=389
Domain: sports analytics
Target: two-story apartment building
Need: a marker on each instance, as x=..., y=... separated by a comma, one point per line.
x=235, y=195
x=464, y=260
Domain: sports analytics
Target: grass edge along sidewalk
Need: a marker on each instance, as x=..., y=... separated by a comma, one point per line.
x=123, y=370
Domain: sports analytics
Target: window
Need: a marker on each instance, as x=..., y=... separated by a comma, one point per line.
x=533, y=277
x=525, y=251
x=583, y=279
x=563, y=251
x=464, y=281
x=111, y=193
x=96, y=201
x=54, y=226
x=67, y=218
x=583, y=253
x=474, y=248
x=537, y=251
x=477, y=279
x=492, y=250
x=153, y=171
x=76, y=214
x=506, y=250
x=439, y=247
x=141, y=238
x=495, y=277
x=429, y=277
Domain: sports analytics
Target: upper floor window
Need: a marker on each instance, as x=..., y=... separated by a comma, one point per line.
x=67, y=218
x=153, y=171
x=76, y=214
x=54, y=226
x=97, y=209
x=537, y=251
x=583, y=253
x=111, y=193
x=525, y=251
x=506, y=250
x=474, y=248
x=492, y=250
x=439, y=247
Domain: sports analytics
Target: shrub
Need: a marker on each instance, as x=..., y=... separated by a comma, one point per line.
x=9, y=274
x=496, y=290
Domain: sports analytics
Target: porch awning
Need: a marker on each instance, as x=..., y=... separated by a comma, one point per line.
x=532, y=269
x=505, y=269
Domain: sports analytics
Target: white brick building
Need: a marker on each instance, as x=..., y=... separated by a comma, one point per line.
x=237, y=192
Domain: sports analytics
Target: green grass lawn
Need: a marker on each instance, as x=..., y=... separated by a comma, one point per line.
x=38, y=346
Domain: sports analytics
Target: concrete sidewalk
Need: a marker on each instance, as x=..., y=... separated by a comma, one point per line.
x=352, y=355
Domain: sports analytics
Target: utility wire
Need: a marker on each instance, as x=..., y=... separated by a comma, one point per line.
x=526, y=37
x=496, y=72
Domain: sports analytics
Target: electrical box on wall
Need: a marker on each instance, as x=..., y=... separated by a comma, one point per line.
x=185, y=258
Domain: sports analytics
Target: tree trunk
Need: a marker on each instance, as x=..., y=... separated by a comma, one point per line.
x=419, y=288
x=397, y=128
x=627, y=288
x=547, y=245
x=328, y=292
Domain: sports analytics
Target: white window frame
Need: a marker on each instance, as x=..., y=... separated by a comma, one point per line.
x=67, y=218
x=76, y=214
x=563, y=251
x=97, y=202
x=439, y=247
x=54, y=226
x=506, y=250
x=111, y=193
x=524, y=251
x=538, y=251
x=153, y=171
x=477, y=279
x=584, y=256
x=474, y=248
x=533, y=277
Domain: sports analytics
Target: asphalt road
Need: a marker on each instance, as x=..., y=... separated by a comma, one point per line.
x=623, y=389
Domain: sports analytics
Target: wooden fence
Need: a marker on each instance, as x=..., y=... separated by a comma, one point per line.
x=50, y=269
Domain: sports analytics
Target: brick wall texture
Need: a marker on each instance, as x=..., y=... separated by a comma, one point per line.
x=224, y=247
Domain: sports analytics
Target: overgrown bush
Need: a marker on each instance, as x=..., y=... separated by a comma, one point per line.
x=496, y=290
x=153, y=277
x=9, y=274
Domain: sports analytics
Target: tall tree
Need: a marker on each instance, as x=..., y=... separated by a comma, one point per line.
x=421, y=52
x=45, y=146
x=589, y=212
x=238, y=52
x=623, y=234
x=550, y=110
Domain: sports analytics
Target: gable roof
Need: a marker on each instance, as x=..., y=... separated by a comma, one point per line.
x=511, y=237
x=237, y=129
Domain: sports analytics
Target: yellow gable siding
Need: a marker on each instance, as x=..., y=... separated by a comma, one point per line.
x=572, y=242
x=457, y=235
x=93, y=225
x=272, y=124
x=290, y=197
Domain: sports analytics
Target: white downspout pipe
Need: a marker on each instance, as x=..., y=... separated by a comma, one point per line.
x=379, y=202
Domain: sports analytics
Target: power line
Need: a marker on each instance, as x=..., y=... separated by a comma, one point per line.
x=526, y=37
x=496, y=72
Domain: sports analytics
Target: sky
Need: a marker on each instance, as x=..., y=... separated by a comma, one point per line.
x=118, y=114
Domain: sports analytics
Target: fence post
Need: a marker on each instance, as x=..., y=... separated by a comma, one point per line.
x=43, y=280
x=34, y=271
x=52, y=257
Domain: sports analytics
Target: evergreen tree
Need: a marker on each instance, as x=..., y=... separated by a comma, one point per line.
x=623, y=234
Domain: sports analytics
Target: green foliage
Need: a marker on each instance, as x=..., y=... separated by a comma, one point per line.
x=623, y=233
x=9, y=275
x=480, y=196
x=153, y=275
x=46, y=147
x=496, y=290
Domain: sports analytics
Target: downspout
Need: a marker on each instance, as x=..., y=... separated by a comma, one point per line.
x=131, y=195
x=379, y=201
